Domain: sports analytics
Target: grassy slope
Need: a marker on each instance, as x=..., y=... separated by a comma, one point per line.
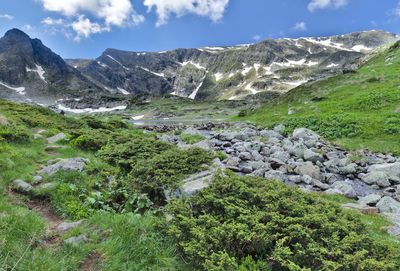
x=356, y=110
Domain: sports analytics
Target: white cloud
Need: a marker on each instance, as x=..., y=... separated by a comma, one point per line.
x=51, y=21
x=105, y=13
x=84, y=28
x=300, y=26
x=214, y=9
x=6, y=16
x=257, y=37
x=28, y=27
x=323, y=4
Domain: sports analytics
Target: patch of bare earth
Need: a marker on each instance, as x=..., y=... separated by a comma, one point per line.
x=91, y=262
x=45, y=210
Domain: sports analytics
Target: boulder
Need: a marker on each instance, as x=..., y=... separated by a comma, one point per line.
x=54, y=139
x=275, y=175
x=305, y=134
x=38, y=179
x=76, y=240
x=233, y=162
x=377, y=177
x=245, y=156
x=370, y=200
x=281, y=155
x=309, y=169
x=65, y=226
x=280, y=128
x=388, y=205
x=309, y=155
x=392, y=171
x=191, y=131
x=22, y=186
x=344, y=189
x=71, y=164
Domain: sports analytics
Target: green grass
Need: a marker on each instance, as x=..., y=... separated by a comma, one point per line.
x=356, y=110
x=192, y=139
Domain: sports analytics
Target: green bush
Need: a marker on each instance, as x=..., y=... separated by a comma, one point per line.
x=127, y=154
x=330, y=127
x=267, y=225
x=14, y=133
x=167, y=170
x=392, y=125
x=92, y=140
x=192, y=139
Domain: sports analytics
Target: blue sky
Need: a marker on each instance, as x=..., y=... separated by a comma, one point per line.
x=85, y=28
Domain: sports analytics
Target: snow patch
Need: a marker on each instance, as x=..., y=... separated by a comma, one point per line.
x=296, y=83
x=359, y=48
x=138, y=117
x=252, y=90
x=141, y=54
x=332, y=65
x=102, y=64
x=232, y=97
x=155, y=73
x=91, y=110
x=197, y=65
x=118, y=63
x=327, y=43
x=39, y=70
x=218, y=76
x=194, y=93
x=19, y=90
x=123, y=91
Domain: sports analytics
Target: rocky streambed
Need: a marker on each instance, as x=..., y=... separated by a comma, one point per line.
x=302, y=158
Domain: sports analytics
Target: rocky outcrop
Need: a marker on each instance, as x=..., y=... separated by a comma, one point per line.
x=71, y=164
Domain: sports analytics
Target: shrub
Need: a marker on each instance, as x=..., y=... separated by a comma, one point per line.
x=392, y=125
x=125, y=155
x=92, y=140
x=167, y=170
x=330, y=127
x=192, y=139
x=14, y=133
x=268, y=225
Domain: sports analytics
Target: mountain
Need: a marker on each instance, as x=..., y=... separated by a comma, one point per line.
x=31, y=72
x=230, y=72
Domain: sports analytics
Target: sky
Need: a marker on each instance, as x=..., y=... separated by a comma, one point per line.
x=85, y=28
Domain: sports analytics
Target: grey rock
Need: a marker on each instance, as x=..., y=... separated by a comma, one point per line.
x=65, y=226
x=219, y=164
x=345, y=189
x=377, y=177
x=257, y=156
x=38, y=179
x=275, y=174
x=54, y=139
x=280, y=128
x=388, y=205
x=255, y=165
x=305, y=134
x=245, y=156
x=309, y=155
x=392, y=171
x=258, y=173
x=233, y=162
x=247, y=169
x=269, y=134
x=166, y=138
x=309, y=169
x=48, y=185
x=283, y=156
x=370, y=200
x=349, y=169
x=291, y=112
x=191, y=131
x=204, y=144
x=295, y=178
x=71, y=164
x=76, y=240
x=22, y=186
x=298, y=150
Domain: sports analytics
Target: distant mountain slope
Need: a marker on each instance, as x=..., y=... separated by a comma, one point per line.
x=230, y=72
x=358, y=110
x=29, y=71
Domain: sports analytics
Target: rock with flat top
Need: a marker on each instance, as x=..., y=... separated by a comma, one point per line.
x=54, y=139
x=76, y=240
x=22, y=186
x=71, y=164
x=367, y=210
x=67, y=226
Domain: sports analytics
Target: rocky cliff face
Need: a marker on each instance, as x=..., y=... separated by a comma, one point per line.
x=230, y=72
x=29, y=71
